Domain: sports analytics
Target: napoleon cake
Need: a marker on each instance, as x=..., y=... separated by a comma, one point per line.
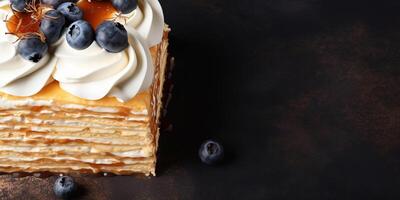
x=81, y=84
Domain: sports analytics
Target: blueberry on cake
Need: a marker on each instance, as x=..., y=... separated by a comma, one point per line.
x=81, y=85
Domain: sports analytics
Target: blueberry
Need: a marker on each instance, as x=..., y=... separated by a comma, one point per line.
x=112, y=36
x=71, y=11
x=32, y=48
x=19, y=5
x=64, y=187
x=124, y=6
x=80, y=35
x=211, y=152
x=52, y=25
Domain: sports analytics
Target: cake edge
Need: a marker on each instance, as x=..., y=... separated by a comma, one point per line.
x=157, y=89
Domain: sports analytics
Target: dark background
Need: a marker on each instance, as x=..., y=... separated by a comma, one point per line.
x=303, y=94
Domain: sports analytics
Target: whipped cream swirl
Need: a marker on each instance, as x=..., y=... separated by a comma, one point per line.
x=148, y=20
x=20, y=77
x=94, y=73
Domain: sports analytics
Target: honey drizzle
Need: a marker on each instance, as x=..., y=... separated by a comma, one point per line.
x=95, y=11
x=27, y=24
x=21, y=23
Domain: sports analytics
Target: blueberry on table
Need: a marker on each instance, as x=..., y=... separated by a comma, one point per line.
x=70, y=11
x=124, y=6
x=112, y=36
x=19, y=5
x=80, y=35
x=32, y=48
x=64, y=187
x=51, y=25
x=211, y=152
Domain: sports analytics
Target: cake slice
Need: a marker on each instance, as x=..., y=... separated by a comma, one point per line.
x=56, y=130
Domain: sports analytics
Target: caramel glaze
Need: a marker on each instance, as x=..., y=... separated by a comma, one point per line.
x=95, y=11
x=124, y=112
x=21, y=23
x=36, y=108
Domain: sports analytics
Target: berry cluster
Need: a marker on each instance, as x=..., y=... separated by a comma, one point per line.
x=65, y=15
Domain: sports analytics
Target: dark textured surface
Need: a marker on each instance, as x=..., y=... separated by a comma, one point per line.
x=304, y=94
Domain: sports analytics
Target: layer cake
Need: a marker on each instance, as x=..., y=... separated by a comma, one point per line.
x=56, y=130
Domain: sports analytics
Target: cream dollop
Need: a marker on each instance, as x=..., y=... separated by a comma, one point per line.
x=94, y=73
x=20, y=77
x=148, y=20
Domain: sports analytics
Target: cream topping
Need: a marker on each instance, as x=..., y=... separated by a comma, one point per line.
x=20, y=77
x=92, y=73
x=148, y=20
